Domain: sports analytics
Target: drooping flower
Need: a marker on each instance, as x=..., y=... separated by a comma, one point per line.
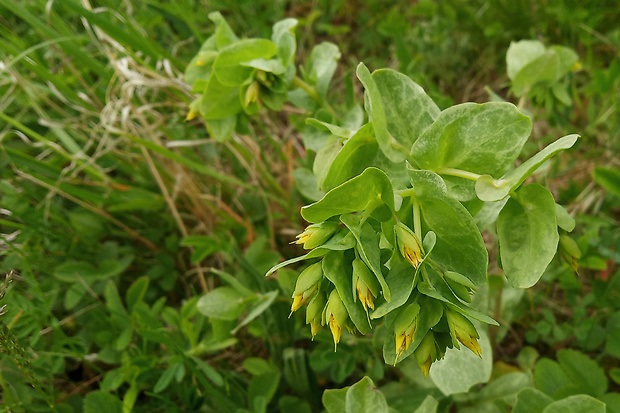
x=426, y=353
x=336, y=316
x=409, y=245
x=461, y=286
x=307, y=283
x=405, y=327
x=464, y=331
x=365, y=283
x=316, y=234
x=314, y=312
x=570, y=251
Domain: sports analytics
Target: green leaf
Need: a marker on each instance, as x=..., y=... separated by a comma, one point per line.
x=257, y=366
x=283, y=36
x=408, y=109
x=224, y=303
x=166, y=377
x=355, y=195
x=363, y=397
x=320, y=67
x=530, y=400
x=459, y=247
x=542, y=69
x=355, y=156
x=306, y=184
x=135, y=292
x=209, y=371
x=99, y=401
x=334, y=129
x=264, y=385
x=484, y=139
x=608, y=178
x=565, y=221
x=520, y=54
x=114, y=303
x=505, y=387
x=584, y=372
x=612, y=400
x=549, y=377
x=400, y=283
x=459, y=370
x=576, y=404
x=340, y=272
x=223, y=33
x=528, y=235
x=368, y=248
x=334, y=400
x=489, y=189
x=227, y=66
x=392, y=149
x=261, y=305
x=219, y=101
x=429, y=405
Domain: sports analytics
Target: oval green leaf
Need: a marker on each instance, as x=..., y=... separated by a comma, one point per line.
x=528, y=235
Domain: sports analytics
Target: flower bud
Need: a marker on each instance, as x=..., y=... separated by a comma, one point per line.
x=194, y=110
x=570, y=251
x=365, y=283
x=251, y=93
x=405, y=326
x=464, y=331
x=336, y=316
x=426, y=353
x=314, y=312
x=307, y=283
x=461, y=286
x=316, y=234
x=408, y=244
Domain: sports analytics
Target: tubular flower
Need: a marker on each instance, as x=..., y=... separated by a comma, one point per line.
x=251, y=93
x=307, y=283
x=570, y=251
x=460, y=285
x=336, y=316
x=426, y=353
x=365, y=283
x=316, y=234
x=464, y=331
x=314, y=312
x=405, y=327
x=409, y=245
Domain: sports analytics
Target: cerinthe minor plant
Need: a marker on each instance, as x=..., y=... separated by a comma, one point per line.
x=393, y=239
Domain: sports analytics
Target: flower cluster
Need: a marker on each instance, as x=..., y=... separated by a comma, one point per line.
x=349, y=287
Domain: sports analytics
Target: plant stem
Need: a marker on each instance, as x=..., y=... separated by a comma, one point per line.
x=311, y=91
x=417, y=224
x=458, y=172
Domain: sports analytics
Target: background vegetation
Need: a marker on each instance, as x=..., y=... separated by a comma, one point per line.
x=117, y=214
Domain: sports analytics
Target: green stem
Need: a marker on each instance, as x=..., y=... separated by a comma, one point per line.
x=458, y=172
x=417, y=224
x=369, y=210
x=312, y=92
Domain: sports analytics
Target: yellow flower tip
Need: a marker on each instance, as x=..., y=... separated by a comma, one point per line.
x=298, y=301
x=471, y=343
x=400, y=344
x=412, y=256
x=191, y=115
x=335, y=329
x=576, y=66
x=426, y=367
x=314, y=327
